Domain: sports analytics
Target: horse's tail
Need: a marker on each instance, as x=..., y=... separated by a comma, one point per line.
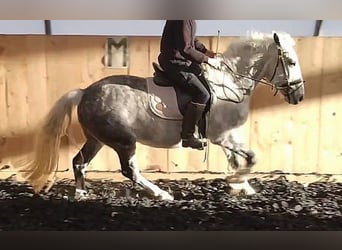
x=45, y=157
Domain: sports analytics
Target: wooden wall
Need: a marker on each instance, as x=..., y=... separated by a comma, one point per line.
x=36, y=70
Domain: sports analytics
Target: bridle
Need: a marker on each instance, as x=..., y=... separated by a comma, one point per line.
x=282, y=56
x=283, y=85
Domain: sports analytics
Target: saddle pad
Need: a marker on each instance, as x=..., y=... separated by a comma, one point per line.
x=163, y=101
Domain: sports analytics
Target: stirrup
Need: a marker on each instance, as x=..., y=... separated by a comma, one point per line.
x=193, y=143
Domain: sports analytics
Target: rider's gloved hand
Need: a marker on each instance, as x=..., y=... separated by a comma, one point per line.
x=214, y=62
x=210, y=53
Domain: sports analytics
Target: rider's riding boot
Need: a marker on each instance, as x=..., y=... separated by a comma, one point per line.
x=192, y=115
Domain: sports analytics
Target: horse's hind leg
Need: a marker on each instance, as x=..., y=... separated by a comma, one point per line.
x=130, y=170
x=80, y=163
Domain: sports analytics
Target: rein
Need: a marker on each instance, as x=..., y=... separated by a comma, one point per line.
x=280, y=59
x=257, y=80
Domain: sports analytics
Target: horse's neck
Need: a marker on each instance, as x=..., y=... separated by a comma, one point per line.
x=250, y=58
x=247, y=59
x=226, y=86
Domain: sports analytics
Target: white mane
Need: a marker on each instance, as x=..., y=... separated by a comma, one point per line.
x=248, y=50
x=255, y=39
x=285, y=38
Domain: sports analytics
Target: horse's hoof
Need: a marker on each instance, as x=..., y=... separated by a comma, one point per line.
x=243, y=171
x=81, y=195
x=236, y=188
x=165, y=196
x=251, y=161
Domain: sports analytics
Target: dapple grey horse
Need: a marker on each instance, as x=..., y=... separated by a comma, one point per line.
x=116, y=111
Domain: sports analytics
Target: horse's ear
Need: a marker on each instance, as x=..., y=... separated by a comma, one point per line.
x=276, y=38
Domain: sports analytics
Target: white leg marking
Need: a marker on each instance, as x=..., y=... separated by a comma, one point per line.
x=157, y=192
x=245, y=186
x=80, y=194
x=82, y=168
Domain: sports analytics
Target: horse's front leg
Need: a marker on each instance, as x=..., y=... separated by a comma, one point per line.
x=235, y=155
x=240, y=159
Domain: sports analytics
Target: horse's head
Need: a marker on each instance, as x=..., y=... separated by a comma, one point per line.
x=284, y=69
x=249, y=61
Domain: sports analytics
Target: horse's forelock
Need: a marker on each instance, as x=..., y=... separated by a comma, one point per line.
x=285, y=38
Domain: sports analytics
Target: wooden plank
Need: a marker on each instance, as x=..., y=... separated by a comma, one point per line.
x=305, y=125
x=154, y=44
x=186, y=160
x=16, y=70
x=222, y=45
x=267, y=131
x=330, y=146
x=139, y=56
x=3, y=87
x=35, y=106
x=36, y=75
x=4, y=159
x=65, y=62
x=16, y=59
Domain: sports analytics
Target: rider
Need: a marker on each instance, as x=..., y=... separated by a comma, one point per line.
x=181, y=55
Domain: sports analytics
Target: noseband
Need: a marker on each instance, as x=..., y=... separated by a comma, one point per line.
x=285, y=84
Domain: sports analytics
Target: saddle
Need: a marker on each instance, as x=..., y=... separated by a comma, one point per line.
x=168, y=101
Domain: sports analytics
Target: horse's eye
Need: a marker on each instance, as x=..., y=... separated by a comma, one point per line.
x=291, y=62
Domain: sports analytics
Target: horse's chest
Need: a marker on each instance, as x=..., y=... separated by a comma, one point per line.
x=229, y=116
